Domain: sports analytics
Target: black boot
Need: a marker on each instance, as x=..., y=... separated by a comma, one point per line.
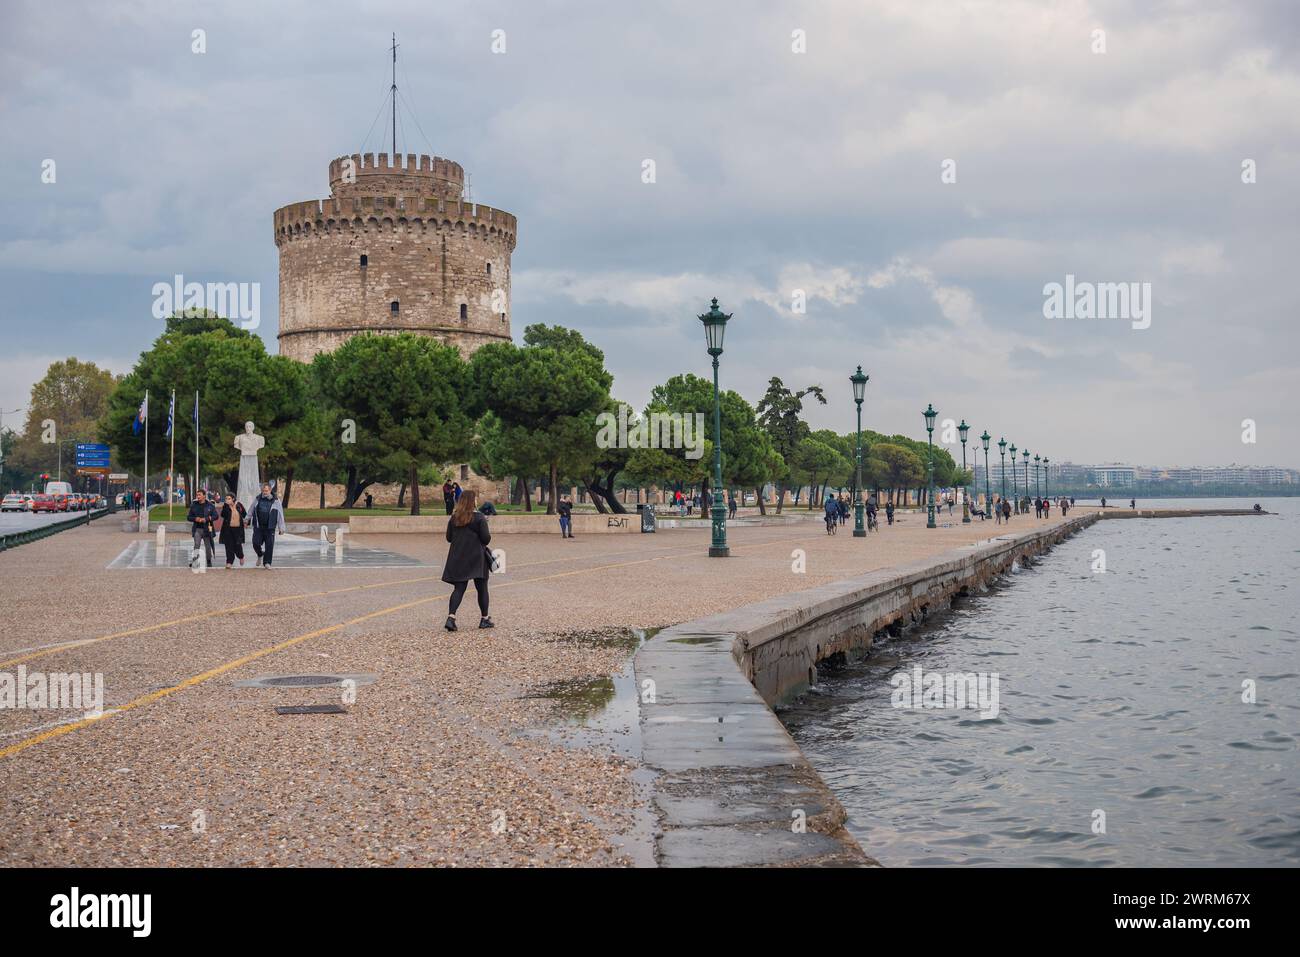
x=486, y=622
x=450, y=624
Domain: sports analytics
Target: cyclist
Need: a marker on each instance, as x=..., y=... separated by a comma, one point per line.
x=832, y=509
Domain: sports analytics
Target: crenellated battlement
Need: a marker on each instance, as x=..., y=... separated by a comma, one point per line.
x=409, y=174
x=394, y=248
x=375, y=212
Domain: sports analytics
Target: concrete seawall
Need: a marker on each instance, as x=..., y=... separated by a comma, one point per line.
x=733, y=788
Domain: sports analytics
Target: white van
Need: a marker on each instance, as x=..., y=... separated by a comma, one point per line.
x=58, y=488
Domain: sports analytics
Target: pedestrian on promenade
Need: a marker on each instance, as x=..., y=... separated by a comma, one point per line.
x=1047, y=508
x=267, y=520
x=201, y=516
x=468, y=558
x=448, y=496
x=234, y=519
x=1132, y=503
x=456, y=491
x=731, y=504
x=565, y=509
x=889, y=512
x=997, y=512
x=1103, y=501
x=1006, y=511
x=842, y=504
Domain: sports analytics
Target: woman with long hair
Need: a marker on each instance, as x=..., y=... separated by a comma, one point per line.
x=468, y=558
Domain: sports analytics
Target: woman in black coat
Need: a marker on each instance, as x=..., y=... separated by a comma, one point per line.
x=468, y=558
x=233, y=521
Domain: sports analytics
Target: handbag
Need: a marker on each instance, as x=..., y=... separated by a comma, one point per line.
x=493, y=563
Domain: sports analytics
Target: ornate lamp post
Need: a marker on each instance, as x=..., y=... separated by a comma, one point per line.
x=1037, y=492
x=1025, y=453
x=930, y=414
x=965, y=492
x=1015, y=496
x=859, y=380
x=1002, y=450
x=1045, y=474
x=988, y=496
x=715, y=326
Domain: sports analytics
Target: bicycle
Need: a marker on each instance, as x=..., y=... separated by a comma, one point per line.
x=831, y=522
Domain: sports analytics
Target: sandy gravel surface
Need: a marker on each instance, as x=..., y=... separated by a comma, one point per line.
x=448, y=757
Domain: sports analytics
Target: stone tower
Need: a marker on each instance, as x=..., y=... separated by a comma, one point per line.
x=394, y=249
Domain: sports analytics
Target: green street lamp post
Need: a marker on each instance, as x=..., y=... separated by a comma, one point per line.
x=1025, y=453
x=1015, y=496
x=1045, y=474
x=715, y=326
x=1002, y=450
x=988, y=496
x=1037, y=490
x=859, y=380
x=929, y=414
x=965, y=491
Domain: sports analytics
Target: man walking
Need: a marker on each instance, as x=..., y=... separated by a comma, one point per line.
x=448, y=496
x=202, y=515
x=565, y=509
x=267, y=518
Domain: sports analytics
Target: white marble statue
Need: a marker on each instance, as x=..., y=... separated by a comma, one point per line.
x=250, y=482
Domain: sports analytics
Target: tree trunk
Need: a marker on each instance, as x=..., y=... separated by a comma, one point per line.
x=758, y=497
x=288, y=487
x=415, y=489
x=780, y=497
x=597, y=499
x=517, y=492
x=553, y=492
x=401, y=496
x=528, y=496
x=322, y=494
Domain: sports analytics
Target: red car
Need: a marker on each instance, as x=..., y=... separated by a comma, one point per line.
x=44, y=503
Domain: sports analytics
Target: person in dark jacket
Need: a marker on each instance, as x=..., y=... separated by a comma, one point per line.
x=266, y=519
x=468, y=558
x=565, y=509
x=234, y=519
x=201, y=516
x=448, y=496
x=488, y=509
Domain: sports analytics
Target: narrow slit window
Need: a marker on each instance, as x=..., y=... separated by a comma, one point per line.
x=392, y=307
x=365, y=260
x=489, y=269
x=464, y=312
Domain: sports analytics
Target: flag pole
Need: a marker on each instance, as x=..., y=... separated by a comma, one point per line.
x=171, y=470
x=144, y=502
x=196, y=445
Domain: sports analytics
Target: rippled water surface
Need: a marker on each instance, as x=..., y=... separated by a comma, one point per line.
x=1119, y=692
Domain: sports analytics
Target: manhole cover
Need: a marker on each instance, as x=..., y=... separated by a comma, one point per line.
x=305, y=681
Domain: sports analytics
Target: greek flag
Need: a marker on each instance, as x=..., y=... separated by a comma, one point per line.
x=138, y=425
x=171, y=413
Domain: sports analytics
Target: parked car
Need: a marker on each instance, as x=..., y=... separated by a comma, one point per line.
x=44, y=503
x=13, y=503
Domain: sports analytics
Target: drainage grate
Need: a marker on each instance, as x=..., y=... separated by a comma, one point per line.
x=312, y=709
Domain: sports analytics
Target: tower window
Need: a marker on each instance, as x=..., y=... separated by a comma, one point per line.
x=489, y=269
x=365, y=260
x=503, y=317
x=464, y=312
x=392, y=307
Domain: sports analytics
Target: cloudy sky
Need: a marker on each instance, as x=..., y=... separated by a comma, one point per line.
x=776, y=171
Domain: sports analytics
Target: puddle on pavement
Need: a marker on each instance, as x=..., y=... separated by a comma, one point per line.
x=602, y=712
